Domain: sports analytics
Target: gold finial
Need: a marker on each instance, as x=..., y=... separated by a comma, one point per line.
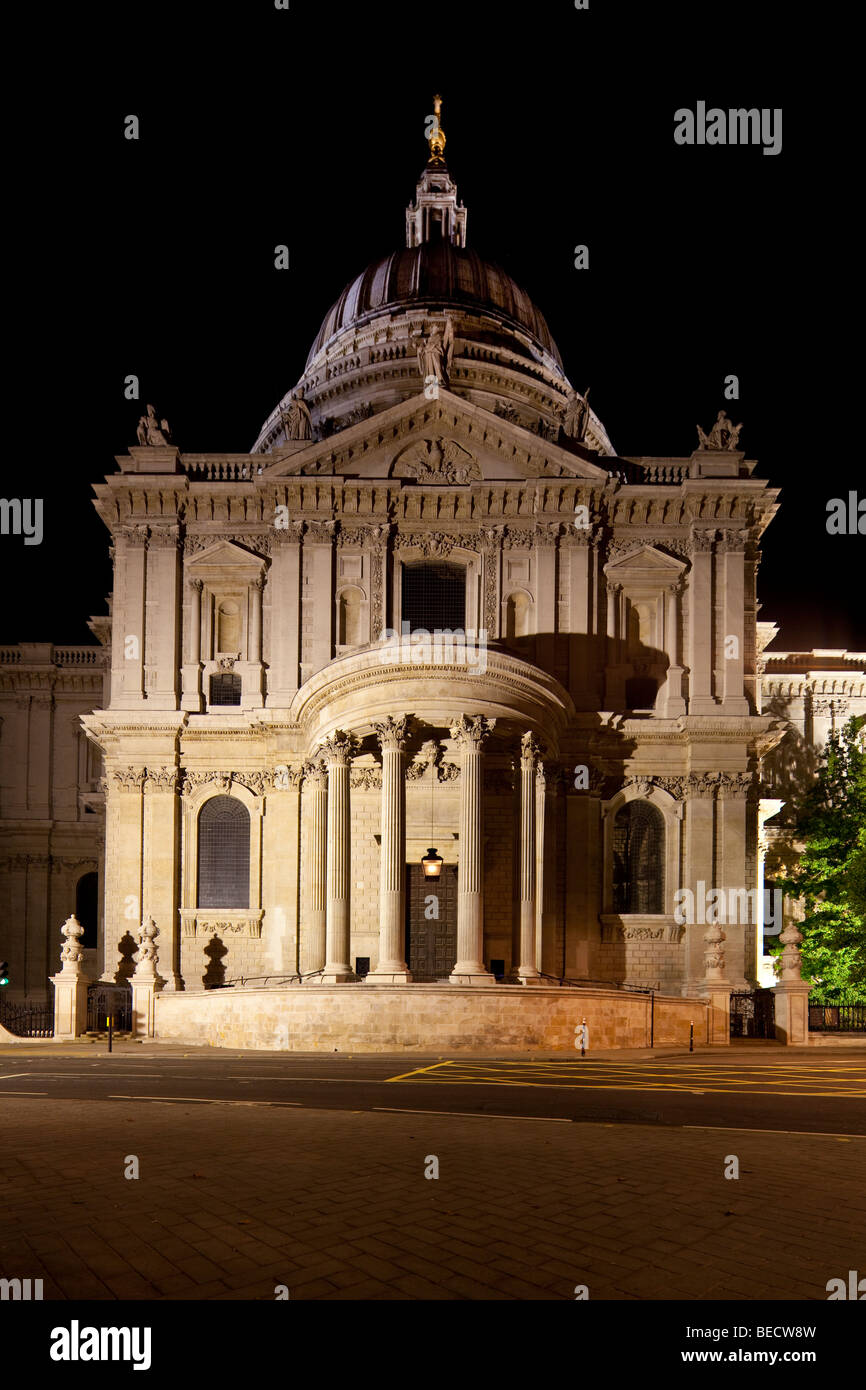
x=436, y=138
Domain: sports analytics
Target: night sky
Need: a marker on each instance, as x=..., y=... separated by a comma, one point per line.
x=306, y=127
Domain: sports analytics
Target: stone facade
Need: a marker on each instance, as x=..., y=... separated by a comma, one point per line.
x=51, y=806
x=592, y=743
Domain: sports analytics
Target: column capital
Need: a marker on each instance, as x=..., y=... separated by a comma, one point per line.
x=735, y=784
x=196, y=585
x=471, y=733
x=315, y=770
x=338, y=749
x=392, y=733
x=530, y=748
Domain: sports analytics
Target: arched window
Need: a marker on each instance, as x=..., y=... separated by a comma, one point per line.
x=638, y=858
x=349, y=627
x=224, y=854
x=228, y=627
x=517, y=615
x=434, y=597
x=86, y=906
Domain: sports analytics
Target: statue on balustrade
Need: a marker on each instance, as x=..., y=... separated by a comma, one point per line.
x=723, y=435
x=297, y=419
x=153, y=432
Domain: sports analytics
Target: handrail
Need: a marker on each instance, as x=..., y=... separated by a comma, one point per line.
x=604, y=984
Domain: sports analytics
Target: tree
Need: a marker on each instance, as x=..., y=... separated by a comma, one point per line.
x=829, y=874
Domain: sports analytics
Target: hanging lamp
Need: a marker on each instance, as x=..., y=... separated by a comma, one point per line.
x=432, y=862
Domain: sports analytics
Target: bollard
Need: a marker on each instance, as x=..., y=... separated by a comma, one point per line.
x=691, y=1037
x=109, y=1020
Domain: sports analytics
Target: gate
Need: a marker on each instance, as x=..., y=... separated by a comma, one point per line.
x=28, y=1020
x=104, y=1000
x=753, y=1014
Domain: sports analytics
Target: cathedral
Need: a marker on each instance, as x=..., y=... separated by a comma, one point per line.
x=431, y=696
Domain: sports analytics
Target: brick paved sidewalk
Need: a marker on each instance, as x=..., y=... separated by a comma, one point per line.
x=233, y=1200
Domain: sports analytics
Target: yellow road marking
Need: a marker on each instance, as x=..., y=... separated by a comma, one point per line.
x=561, y=1075
x=609, y=1086
x=419, y=1072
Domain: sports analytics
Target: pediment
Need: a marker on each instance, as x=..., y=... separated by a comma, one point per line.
x=643, y=560
x=447, y=442
x=221, y=553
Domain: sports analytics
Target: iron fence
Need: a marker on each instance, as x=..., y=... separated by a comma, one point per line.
x=28, y=1020
x=837, y=1018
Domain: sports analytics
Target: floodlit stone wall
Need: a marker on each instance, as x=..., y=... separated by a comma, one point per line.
x=424, y=1018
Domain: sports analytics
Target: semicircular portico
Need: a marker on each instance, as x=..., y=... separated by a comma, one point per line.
x=434, y=685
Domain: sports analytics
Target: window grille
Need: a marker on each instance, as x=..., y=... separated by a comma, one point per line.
x=224, y=854
x=638, y=859
x=225, y=689
x=434, y=596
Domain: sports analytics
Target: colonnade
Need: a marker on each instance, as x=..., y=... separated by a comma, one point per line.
x=329, y=923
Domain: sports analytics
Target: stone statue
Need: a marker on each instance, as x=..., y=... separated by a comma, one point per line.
x=153, y=432
x=297, y=419
x=435, y=354
x=723, y=435
x=576, y=419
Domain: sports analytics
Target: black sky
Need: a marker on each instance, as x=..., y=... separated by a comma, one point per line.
x=306, y=127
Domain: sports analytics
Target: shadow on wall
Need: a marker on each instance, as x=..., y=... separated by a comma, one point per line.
x=215, y=975
x=580, y=662
x=791, y=768
x=127, y=947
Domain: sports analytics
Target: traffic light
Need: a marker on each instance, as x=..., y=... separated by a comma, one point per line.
x=4, y=972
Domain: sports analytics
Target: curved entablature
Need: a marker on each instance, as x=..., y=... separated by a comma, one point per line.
x=353, y=692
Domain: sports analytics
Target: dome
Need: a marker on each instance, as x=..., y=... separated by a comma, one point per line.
x=435, y=274
x=365, y=360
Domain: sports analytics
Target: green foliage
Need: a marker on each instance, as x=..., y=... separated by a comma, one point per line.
x=830, y=873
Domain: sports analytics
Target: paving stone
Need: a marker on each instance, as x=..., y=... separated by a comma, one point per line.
x=518, y=1213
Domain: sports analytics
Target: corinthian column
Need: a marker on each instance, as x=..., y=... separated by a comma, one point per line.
x=526, y=970
x=337, y=752
x=392, y=966
x=313, y=948
x=469, y=968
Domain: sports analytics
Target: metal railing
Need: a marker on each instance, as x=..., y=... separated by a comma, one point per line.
x=837, y=1018
x=599, y=984
x=243, y=980
x=27, y=1020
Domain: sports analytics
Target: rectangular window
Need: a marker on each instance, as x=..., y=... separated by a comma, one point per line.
x=434, y=597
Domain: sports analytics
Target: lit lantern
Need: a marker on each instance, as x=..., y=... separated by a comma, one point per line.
x=432, y=864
